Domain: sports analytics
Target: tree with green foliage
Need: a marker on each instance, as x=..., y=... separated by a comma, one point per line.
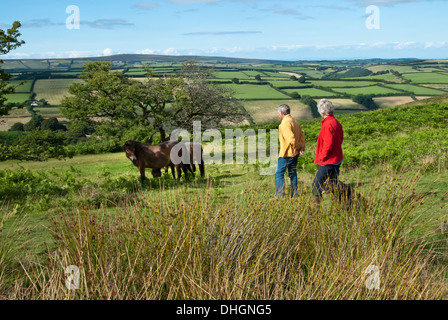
x=103, y=101
x=123, y=108
x=204, y=101
x=366, y=100
x=312, y=104
x=52, y=124
x=18, y=126
x=9, y=40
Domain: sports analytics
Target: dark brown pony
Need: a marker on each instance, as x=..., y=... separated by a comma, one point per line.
x=158, y=156
x=193, y=154
x=155, y=157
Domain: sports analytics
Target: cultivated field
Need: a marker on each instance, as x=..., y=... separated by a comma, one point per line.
x=53, y=90
x=386, y=102
x=263, y=111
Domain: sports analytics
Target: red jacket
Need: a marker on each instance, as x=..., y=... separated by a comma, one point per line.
x=329, y=142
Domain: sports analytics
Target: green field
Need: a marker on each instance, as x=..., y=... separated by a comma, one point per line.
x=342, y=84
x=230, y=75
x=287, y=83
x=313, y=92
x=422, y=91
x=262, y=111
x=256, y=92
x=386, y=77
x=373, y=90
x=21, y=86
x=53, y=90
x=17, y=97
x=427, y=77
x=226, y=236
x=400, y=69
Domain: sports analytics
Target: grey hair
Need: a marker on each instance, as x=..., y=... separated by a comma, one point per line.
x=284, y=109
x=325, y=107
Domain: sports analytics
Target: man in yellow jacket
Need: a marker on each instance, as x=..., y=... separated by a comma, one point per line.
x=292, y=143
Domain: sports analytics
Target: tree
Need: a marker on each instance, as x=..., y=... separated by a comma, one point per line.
x=258, y=77
x=366, y=100
x=302, y=79
x=123, y=108
x=52, y=124
x=9, y=40
x=212, y=104
x=294, y=95
x=18, y=126
x=236, y=80
x=120, y=105
x=312, y=104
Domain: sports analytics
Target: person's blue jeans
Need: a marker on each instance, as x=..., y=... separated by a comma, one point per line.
x=325, y=172
x=289, y=163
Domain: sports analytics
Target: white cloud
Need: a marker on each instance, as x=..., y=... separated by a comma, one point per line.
x=439, y=44
x=107, y=52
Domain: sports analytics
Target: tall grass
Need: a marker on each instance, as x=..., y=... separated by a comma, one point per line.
x=200, y=245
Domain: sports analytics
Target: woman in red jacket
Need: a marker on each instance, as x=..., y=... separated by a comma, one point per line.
x=329, y=149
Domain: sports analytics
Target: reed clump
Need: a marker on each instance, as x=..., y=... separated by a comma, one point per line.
x=246, y=245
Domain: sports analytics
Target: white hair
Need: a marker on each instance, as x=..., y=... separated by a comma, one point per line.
x=284, y=109
x=325, y=107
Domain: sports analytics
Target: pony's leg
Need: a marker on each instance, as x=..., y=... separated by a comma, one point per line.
x=142, y=173
x=201, y=165
x=179, y=172
x=172, y=171
x=185, y=170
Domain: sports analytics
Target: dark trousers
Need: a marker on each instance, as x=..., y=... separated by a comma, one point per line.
x=325, y=172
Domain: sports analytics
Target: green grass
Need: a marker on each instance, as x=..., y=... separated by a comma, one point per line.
x=262, y=111
x=427, y=77
x=230, y=75
x=342, y=84
x=21, y=86
x=17, y=97
x=287, y=83
x=400, y=69
x=247, y=91
x=422, y=91
x=313, y=92
x=53, y=90
x=226, y=237
x=373, y=90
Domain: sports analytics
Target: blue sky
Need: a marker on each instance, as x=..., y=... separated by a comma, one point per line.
x=264, y=29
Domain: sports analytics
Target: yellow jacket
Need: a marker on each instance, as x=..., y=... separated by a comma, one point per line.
x=291, y=137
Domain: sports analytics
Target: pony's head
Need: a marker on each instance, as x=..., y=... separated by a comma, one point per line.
x=130, y=149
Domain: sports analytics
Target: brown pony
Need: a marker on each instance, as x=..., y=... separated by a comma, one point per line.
x=194, y=153
x=158, y=156
x=155, y=157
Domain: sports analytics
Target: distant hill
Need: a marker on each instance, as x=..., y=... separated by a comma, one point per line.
x=135, y=60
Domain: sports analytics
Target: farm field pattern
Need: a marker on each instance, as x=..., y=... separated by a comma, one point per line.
x=261, y=85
